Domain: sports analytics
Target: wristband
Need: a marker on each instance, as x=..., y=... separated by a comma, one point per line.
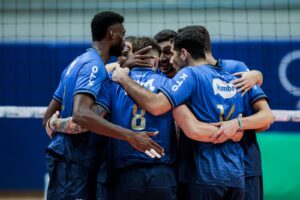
x=240, y=123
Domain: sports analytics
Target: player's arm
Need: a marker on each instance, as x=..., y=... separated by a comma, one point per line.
x=65, y=125
x=247, y=80
x=156, y=104
x=261, y=119
x=53, y=106
x=191, y=126
x=87, y=119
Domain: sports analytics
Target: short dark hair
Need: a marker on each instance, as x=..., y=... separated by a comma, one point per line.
x=130, y=39
x=142, y=42
x=191, y=39
x=165, y=35
x=204, y=32
x=102, y=21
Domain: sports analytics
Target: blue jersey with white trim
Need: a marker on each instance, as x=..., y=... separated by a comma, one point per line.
x=249, y=142
x=126, y=113
x=84, y=75
x=208, y=92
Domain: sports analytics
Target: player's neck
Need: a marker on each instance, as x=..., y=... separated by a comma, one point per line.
x=103, y=50
x=210, y=59
x=198, y=62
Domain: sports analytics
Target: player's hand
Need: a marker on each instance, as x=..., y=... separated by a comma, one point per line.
x=49, y=125
x=142, y=142
x=226, y=130
x=138, y=59
x=112, y=66
x=237, y=136
x=120, y=73
x=72, y=128
x=246, y=81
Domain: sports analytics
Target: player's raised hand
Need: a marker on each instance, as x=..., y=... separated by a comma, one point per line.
x=142, y=142
x=138, y=58
x=246, y=81
x=226, y=130
x=119, y=73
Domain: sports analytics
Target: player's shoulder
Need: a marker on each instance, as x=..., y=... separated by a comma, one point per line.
x=91, y=56
x=230, y=62
x=232, y=66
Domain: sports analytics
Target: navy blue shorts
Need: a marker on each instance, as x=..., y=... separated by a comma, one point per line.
x=69, y=180
x=254, y=188
x=189, y=191
x=157, y=182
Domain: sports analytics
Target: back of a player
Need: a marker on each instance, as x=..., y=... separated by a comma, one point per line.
x=152, y=177
x=209, y=171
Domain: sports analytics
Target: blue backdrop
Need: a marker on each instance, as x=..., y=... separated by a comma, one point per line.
x=29, y=74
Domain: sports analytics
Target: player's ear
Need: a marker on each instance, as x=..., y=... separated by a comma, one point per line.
x=111, y=33
x=184, y=54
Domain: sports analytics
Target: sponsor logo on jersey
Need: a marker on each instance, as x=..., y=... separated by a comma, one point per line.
x=224, y=89
x=179, y=82
x=93, y=76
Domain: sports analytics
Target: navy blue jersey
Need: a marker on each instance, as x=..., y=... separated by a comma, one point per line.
x=211, y=96
x=249, y=142
x=126, y=113
x=84, y=75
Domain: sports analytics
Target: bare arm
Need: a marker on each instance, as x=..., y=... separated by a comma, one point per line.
x=156, y=104
x=51, y=109
x=261, y=119
x=65, y=125
x=191, y=126
x=87, y=119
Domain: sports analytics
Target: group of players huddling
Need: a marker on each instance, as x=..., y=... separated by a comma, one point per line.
x=112, y=126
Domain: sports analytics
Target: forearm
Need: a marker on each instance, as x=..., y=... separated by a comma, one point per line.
x=148, y=100
x=51, y=109
x=191, y=126
x=201, y=131
x=94, y=123
x=65, y=125
x=259, y=120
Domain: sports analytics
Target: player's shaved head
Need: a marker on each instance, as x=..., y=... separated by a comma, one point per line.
x=102, y=21
x=191, y=39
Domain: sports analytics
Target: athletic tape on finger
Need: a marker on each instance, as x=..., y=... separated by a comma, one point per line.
x=155, y=153
x=149, y=154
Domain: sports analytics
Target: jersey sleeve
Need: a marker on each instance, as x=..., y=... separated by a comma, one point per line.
x=255, y=94
x=179, y=88
x=90, y=78
x=59, y=92
x=104, y=96
x=241, y=67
